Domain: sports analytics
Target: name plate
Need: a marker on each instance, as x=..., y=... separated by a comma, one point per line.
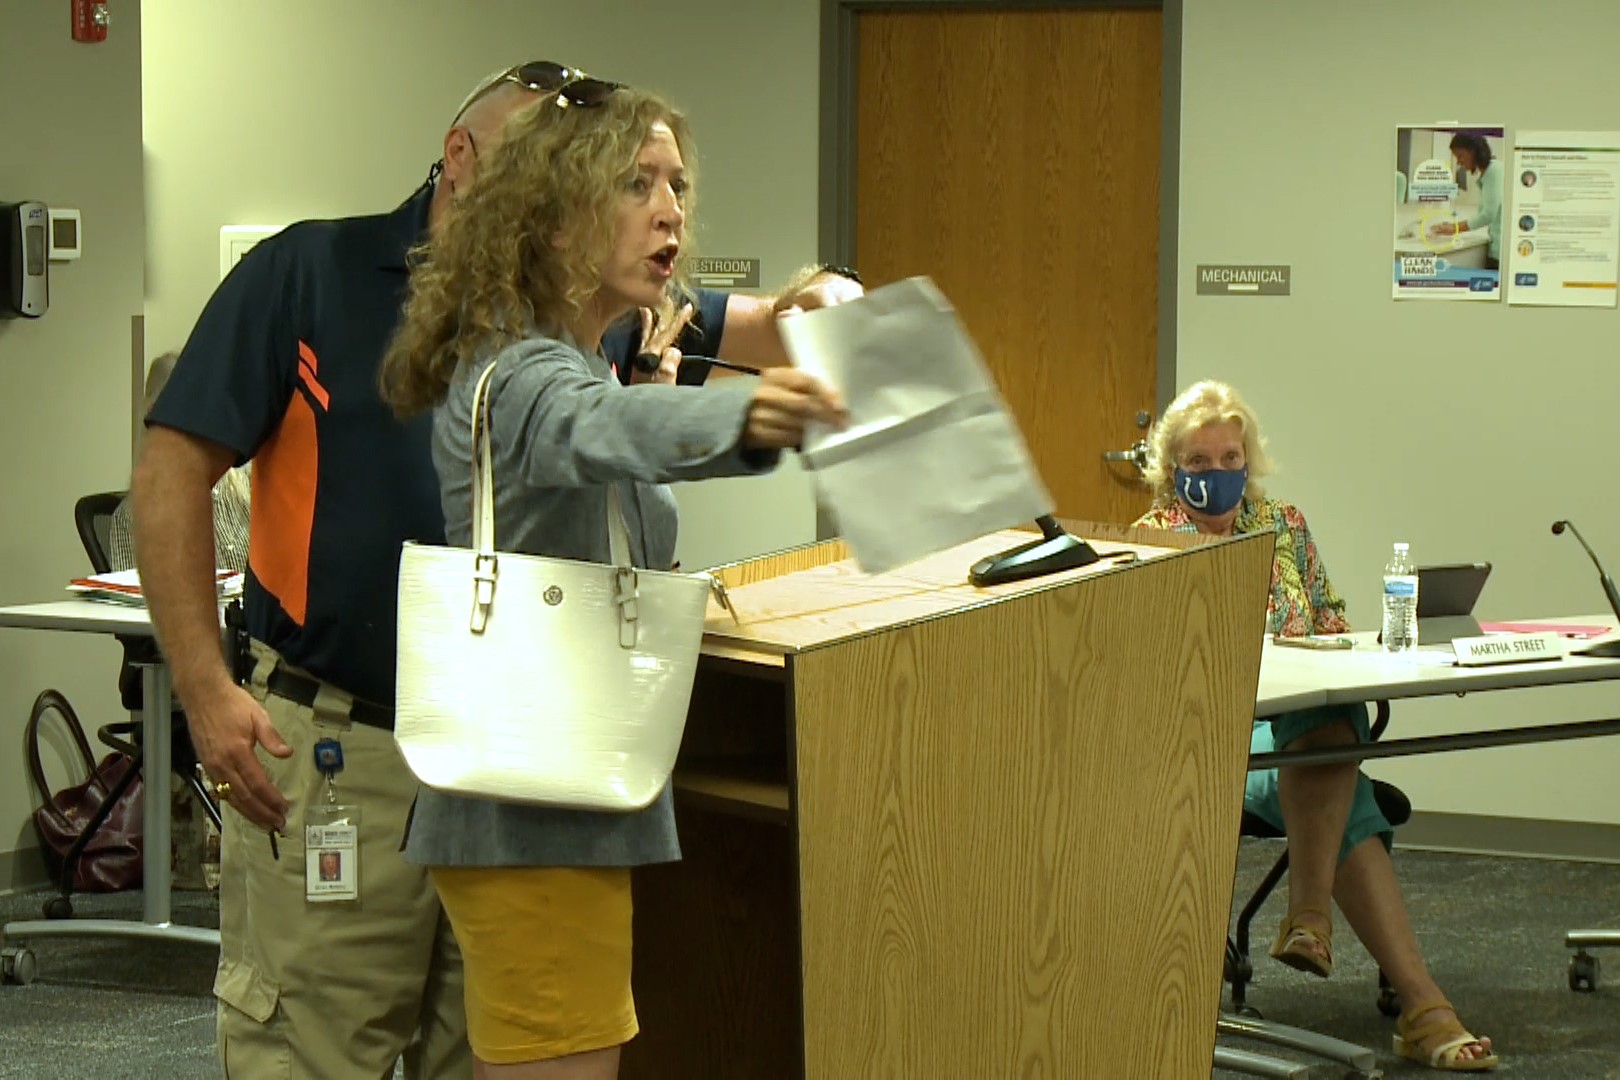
x=1507, y=649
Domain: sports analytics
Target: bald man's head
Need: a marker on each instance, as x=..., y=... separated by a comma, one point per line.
x=476, y=129
x=485, y=109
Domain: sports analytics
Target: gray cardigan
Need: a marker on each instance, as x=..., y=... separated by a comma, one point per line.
x=562, y=429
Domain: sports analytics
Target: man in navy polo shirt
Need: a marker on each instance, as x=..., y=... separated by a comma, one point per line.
x=321, y=976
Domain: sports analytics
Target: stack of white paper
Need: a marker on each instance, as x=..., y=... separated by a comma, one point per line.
x=124, y=587
x=931, y=458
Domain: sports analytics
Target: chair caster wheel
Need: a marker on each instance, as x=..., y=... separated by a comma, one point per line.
x=1389, y=1003
x=1249, y=1012
x=18, y=966
x=1583, y=972
x=59, y=907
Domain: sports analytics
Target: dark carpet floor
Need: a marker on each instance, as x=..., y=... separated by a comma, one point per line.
x=1492, y=930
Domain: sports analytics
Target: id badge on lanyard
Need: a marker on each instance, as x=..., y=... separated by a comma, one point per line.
x=331, y=836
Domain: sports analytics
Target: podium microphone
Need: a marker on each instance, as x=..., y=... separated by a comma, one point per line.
x=648, y=362
x=1607, y=649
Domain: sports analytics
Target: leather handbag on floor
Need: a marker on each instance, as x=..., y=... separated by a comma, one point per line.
x=111, y=859
x=538, y=680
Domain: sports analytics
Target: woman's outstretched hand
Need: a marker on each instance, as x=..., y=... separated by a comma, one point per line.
x=785, y=402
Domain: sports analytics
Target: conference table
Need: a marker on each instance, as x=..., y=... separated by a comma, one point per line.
x=1292, y=678
x=93, y=617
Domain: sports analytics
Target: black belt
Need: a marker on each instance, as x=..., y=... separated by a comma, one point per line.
x=302, y=689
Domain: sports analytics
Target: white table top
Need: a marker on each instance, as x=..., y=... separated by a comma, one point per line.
x=85, y=616
x=1285, y=690
x=1368, y=673
x=1290, y=678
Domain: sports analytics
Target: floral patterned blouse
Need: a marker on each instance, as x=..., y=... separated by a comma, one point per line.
x=1303, y=600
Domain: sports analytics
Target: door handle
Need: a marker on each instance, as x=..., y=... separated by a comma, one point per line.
x=1136, y=455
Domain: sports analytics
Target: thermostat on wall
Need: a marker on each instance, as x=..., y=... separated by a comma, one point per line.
x=236, y=241
x=67, y=235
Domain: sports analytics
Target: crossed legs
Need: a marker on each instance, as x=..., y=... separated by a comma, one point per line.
x=1316, y=803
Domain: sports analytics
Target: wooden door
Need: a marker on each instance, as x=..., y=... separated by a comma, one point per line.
x=1013, y=156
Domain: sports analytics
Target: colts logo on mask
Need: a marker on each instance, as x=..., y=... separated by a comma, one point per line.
x=1213, y=491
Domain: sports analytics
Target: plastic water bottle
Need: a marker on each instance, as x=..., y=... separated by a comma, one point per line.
x=1400, y=601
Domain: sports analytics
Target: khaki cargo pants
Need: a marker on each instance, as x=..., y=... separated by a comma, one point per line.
x=334, y=990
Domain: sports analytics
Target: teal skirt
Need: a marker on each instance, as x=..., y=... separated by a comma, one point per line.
x=1260, y=792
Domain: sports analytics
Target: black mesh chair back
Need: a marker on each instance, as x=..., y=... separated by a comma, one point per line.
x=93, y=516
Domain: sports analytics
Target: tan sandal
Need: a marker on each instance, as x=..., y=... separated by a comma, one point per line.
x=1409, y=1036
x=1303, y=947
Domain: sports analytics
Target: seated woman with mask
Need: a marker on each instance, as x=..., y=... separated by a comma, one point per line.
x=1205, y=459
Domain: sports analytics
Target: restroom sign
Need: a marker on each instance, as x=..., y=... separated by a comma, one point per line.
x=1244, y=280
x=713, y=272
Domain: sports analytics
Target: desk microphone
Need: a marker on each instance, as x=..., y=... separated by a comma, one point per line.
x=1610, y=649
x=648, y=362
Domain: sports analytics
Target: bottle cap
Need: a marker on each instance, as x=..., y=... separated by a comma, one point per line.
x=1401, y=547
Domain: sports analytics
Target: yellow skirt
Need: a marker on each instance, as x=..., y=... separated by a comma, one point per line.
x=547, y=958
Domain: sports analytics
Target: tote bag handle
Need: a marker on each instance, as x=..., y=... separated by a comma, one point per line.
x=486, y=561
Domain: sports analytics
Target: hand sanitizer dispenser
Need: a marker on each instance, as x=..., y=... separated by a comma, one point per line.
x=24, y=281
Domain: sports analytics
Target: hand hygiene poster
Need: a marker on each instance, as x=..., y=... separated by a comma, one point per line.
x=1448, y=212
x=1566, y=219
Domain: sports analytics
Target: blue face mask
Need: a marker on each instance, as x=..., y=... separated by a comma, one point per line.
x=1213, y=492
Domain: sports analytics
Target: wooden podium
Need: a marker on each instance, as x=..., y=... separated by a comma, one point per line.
x=933, y=831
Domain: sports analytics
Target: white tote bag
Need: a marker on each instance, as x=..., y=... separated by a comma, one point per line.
x=536, y=680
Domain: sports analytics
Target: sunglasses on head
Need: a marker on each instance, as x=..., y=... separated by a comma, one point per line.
x=586, y=92
x=571, y=85
x=537, y=75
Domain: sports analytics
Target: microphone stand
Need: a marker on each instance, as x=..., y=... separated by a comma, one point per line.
x=1056, y=550
x=1603, y=650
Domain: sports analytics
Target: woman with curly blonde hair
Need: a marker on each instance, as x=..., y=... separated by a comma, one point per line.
x=579, y=216
x=1205, y=458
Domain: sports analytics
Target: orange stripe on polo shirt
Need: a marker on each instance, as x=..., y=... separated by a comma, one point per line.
x=307, y=367
x=283, y=517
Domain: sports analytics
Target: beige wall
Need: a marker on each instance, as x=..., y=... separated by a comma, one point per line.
x=1462, y=428
x=74, y=141
x=270, y=113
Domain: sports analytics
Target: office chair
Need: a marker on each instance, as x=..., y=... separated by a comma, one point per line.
x=1583, y=966
x=92, y=515
x=1239, y=970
